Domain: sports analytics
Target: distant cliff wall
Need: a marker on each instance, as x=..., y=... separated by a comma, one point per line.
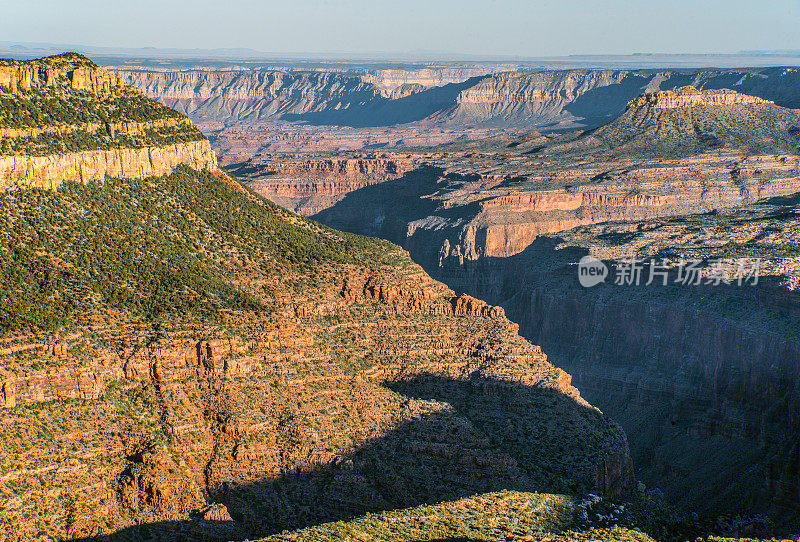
x=251, y=95
x=530, y=100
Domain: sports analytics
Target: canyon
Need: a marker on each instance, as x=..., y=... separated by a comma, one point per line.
x=182, y=359
x=249, y=111
x=703, y=380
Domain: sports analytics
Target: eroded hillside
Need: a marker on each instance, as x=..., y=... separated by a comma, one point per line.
x=702, y=377
x=310, y=363
x=183, y=359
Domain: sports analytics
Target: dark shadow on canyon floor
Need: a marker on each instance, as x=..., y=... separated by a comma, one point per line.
x=703, y=379
x=466, y=437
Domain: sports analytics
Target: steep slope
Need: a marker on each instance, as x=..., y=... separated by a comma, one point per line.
x=703, y=378
x=182, y=359
x=64, y=118
x=252, y=367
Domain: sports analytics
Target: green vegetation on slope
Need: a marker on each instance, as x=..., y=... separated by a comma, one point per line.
x=78, y=120
x=151, y=246
x=490, y=517
x=754, y=128
x=47, y=106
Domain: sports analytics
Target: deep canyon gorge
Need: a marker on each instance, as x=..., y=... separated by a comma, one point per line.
x=704, y=380
x=367, y=318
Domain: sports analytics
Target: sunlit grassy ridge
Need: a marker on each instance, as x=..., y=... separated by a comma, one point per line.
x=489, y=517
x=151, y=246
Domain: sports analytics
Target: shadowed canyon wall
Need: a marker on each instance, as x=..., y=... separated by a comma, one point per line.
x=703, y=381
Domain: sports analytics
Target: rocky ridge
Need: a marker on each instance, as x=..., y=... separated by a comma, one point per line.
x=689, y=96
x=71, y=69
x=66, y=119
x=182, y=359
x=688, y=121
x=560, y=99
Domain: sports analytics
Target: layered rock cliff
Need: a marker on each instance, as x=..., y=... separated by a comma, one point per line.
x=307, y=183
x=689, y=96
x=522, y=100
x=66, y=119
x=52, y=170
x=392, y=79
x=587, y=98
x=439, y=215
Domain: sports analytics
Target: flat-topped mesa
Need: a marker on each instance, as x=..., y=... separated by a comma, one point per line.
x=63, y=118
x=68, y=70
x=689, y=96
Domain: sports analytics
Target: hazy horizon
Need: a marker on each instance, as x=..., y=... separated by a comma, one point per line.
x=496, y=28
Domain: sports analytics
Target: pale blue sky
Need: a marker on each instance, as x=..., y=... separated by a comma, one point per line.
x=491, y=27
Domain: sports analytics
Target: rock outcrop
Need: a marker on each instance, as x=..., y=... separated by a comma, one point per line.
x=51, y=171
x=82, y=123
x=70, y=69
x=394, y=79
x=689, y=96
